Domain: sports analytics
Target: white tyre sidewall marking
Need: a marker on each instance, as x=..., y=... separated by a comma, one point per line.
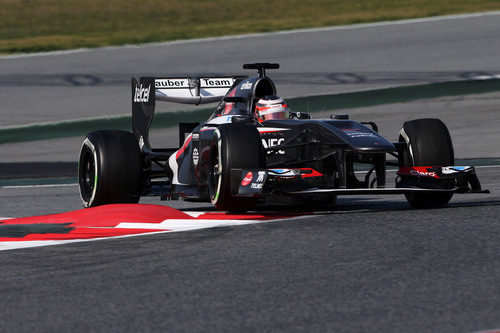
x=219, y=170
x=407, y=139
x=89, y=144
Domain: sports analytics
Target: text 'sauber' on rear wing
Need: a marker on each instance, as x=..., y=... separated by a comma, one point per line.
x=186, y=90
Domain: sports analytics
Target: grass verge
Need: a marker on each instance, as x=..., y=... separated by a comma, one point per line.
x=45, y=25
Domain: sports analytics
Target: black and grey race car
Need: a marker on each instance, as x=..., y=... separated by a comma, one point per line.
x=236, y=161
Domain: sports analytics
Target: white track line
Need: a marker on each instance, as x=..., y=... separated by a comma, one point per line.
x=494, y=330
x=34, y=186
x=487, y=166
x=251, y=35
x=12, y=245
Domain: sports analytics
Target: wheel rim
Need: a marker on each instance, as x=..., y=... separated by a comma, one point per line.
x=87, y=177
x=215, y=174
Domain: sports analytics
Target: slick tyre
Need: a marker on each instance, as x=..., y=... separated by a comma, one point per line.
x=234, y=146
x=109, y=169
x=429, y=144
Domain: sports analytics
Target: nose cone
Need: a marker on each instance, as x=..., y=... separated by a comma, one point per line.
x=360, y=137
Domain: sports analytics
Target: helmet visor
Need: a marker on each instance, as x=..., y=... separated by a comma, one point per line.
x=274, y=112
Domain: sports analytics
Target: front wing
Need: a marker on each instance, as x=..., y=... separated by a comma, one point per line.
x=307, y=181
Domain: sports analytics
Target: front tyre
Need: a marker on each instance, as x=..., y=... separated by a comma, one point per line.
x=235, y=146
x=109, y=169
x=429, y=144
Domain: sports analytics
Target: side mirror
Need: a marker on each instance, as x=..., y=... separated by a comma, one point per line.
x=339, y=116
x=301, y=115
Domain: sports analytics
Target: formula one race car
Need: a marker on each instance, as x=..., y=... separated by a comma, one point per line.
x=253, y=148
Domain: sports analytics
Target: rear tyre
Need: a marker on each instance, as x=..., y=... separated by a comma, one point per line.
x=235, y=146
x=109, y=169
x=429, y=144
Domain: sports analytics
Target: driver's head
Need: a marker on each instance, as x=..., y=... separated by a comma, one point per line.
x=271, y=107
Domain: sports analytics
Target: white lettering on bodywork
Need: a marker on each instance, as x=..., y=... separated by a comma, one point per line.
x=171, y=83
x=260, y=178
x=273, y=142
x=215, y=83
x=141, y=94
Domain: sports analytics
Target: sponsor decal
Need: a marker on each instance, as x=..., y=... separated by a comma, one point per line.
x=354, y=133
x=252, y=183
x=141, y=94
x=455, y=169
x=216, y=83
x=196, y=156
x=259, y=182
x=196, y=136
x=273, y=142
x=284, y=173
x=228, y=107
x=419, y=172
x=271, y=108
x=459, y=168
x=260, y=177
x=280, y=171
x=247, y=179
x=246, y=86
x=171, y=83
x=291, y=173
x=422, y=173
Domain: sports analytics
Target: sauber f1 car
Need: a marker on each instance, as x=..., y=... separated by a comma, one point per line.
x=240, y=156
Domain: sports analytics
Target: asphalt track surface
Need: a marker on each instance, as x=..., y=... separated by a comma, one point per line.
x=369, y=264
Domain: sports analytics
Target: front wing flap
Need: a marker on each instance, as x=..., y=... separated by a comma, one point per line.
x=258, y=182
x=461, y=178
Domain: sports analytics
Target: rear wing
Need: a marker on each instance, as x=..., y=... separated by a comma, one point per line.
x=193, y=90
x=185, y=90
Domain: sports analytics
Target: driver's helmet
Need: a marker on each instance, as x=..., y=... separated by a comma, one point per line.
x=271, y=107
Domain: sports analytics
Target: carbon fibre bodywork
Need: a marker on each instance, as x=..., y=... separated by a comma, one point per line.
x=303, y=156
